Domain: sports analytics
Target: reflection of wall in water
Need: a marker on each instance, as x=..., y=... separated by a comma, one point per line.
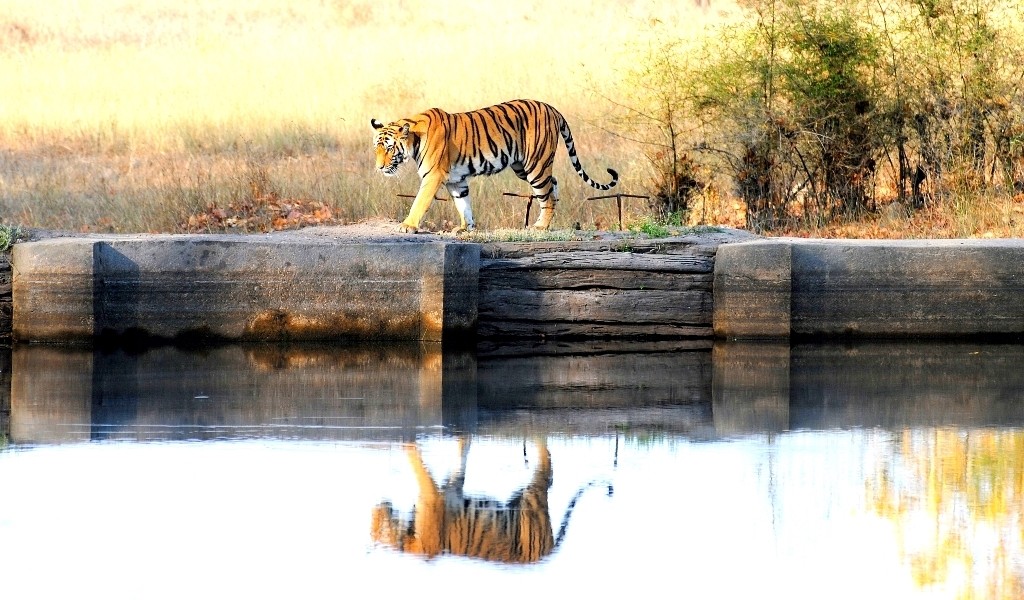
x=595, y=379
x=64, y=394
x=596, y=388
x=5, y=393
x=773, y=387
x=393, y=392
x=750, y=388
x=898, y=384
x=376, y=392
x=51, y=392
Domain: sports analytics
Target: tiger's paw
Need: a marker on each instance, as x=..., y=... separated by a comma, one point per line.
x=407, y=228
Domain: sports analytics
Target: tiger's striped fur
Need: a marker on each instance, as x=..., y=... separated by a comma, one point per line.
x=449, y=148
x=447, y=522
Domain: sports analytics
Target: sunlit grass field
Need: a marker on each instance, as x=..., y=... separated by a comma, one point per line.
x=139, y=115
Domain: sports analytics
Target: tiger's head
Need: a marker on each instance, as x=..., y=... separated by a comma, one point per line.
x=389, y=529
x=390, y=145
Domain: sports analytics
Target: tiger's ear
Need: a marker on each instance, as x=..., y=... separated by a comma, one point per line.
x=376, y=124
x=405, y=129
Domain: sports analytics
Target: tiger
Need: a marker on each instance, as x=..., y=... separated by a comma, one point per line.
x=445, y=521
x=449, y=148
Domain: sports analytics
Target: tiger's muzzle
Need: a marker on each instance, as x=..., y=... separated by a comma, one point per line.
x=388, y=163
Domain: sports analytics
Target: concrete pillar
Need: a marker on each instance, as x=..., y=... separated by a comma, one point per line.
x=233, y=288
x=752, y=290
x=909, y=288
x=775, y=288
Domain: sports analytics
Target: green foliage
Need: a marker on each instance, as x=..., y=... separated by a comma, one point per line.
x=651, y=228
x=808, y=108
x=654, y=228
x=957, y=79
x=9, y=235
x=793, y=109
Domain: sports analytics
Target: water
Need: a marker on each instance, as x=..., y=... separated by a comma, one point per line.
x=883, y=470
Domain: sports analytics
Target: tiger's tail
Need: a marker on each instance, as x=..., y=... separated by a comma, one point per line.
x=572, y=503
x=563, y=129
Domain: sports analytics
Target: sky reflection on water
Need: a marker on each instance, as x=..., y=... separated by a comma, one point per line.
x=882, y=471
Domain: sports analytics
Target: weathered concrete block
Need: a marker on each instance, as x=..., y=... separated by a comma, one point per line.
x=752, y=290
x=5, y=394
x=924, y=288
x=232, y=288
x=870, y=288
x=52, y=290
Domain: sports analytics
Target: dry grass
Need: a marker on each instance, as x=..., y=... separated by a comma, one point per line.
x=968, y=214
x=133, y=115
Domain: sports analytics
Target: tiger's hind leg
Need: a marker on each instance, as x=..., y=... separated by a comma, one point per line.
x=547, y=205
x=460, y=193
x=545, y=189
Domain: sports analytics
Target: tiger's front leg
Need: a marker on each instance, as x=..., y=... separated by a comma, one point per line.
x=428, y=187
x=460, y=193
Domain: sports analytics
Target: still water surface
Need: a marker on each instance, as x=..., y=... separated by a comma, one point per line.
x=743, y=470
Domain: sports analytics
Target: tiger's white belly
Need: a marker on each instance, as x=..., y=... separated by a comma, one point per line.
x=488, y=166
x=458, y=174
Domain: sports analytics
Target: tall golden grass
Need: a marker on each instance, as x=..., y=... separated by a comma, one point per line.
x=133, y=115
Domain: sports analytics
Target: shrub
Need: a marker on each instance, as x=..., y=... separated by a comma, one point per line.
x=9, y=235
x=812, y=109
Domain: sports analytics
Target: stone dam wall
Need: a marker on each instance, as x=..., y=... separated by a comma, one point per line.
x=326, y=286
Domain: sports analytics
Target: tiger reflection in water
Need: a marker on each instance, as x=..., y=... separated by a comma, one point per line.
x=446, y=521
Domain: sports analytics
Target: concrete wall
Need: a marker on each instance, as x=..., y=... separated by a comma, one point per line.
x=308, y=288
x=235, y=288
x=869, y=288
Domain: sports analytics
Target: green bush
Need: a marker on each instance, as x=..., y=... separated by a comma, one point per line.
x=793, y=110
x=9, y=234
x=809, y=109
